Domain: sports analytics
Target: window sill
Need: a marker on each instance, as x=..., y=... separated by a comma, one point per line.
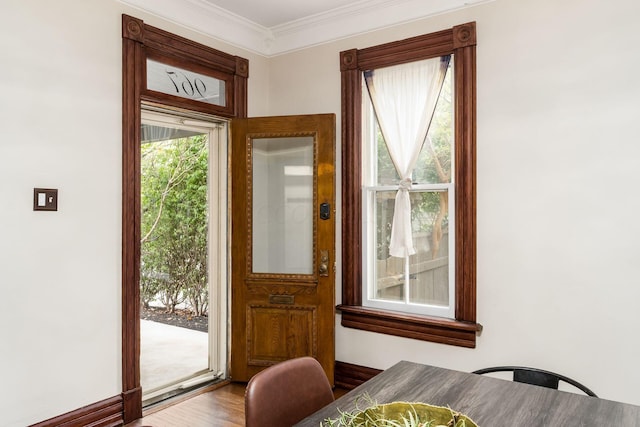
x=425, y=328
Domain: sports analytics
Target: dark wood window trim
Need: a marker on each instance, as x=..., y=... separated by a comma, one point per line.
x=140, y=41
x=461, y=331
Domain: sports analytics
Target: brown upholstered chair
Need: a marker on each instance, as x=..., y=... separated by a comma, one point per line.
x=285, y=393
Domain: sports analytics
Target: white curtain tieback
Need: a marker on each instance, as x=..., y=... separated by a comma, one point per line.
x=405, y=184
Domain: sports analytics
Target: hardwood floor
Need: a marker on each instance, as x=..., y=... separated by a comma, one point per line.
x=222, y=407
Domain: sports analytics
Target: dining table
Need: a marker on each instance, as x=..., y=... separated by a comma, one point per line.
x=488, y=401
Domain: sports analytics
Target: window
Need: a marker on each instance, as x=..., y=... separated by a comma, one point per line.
x=420, y=101
x=429, y=295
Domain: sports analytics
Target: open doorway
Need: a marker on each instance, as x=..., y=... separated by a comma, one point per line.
x=151, y=55
x=183, y=247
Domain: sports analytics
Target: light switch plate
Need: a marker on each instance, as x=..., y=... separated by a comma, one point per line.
x=45, y=199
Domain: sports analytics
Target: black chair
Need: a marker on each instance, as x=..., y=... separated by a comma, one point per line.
x=537, y=377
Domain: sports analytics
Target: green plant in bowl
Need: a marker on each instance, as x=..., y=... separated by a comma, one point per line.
x=400, y=414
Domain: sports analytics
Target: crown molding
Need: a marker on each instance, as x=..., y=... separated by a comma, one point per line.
x=356, y=18
x=210, y=20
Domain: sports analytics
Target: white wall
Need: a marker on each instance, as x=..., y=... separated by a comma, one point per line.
x=558, y=180
x=60, y=274
x=60, y=270
x=557, y=185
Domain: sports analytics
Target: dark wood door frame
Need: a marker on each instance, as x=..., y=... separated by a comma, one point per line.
x=140, y=41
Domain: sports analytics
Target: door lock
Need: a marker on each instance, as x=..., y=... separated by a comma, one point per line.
x=325, y=211
x=323, y=270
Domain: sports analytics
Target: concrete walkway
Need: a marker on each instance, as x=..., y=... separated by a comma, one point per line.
x=169, y=354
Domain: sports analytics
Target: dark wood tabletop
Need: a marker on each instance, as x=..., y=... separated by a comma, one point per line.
x=490, y=402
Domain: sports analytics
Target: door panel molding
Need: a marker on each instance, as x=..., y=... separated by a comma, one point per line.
x=254, y=287
x=283, y=322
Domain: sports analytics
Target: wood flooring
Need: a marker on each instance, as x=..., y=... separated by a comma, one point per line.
x=222, y=407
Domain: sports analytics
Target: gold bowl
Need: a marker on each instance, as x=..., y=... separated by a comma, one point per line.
x=413, y=414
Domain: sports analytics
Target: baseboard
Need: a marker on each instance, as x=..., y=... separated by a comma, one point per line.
x=350, y=376
x=109, y=412
x=132, y=404
x=106, y=413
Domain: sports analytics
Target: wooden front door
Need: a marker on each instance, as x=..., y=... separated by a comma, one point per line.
x=283, y=242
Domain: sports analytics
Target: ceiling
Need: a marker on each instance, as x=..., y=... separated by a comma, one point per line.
x=272, y=13
x=274, y=27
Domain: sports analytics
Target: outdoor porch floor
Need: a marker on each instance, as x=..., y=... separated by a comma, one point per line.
x=170, y=353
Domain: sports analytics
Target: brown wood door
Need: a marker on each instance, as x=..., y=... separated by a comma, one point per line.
x=283, y=242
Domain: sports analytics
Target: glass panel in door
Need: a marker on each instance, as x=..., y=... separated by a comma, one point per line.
x=282, y=205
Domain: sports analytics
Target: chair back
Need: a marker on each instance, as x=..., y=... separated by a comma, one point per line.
x=285, y=393
x=535, y=376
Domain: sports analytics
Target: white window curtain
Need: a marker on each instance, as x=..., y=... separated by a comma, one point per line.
x=404, y=98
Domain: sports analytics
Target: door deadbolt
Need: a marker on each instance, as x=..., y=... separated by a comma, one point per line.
x=325, y=211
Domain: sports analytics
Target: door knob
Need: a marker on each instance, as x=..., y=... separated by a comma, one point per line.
x=323, y=270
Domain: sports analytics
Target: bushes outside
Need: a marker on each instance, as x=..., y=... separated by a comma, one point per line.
x=174, y=224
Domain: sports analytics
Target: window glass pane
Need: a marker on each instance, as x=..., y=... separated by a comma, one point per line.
x=282, y=221
x=430, y=169
x=389, y=271
x=429, y=267
x=386, y=171
x=184, y=83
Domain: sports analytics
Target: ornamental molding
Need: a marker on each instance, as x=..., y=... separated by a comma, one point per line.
x=353, y=19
